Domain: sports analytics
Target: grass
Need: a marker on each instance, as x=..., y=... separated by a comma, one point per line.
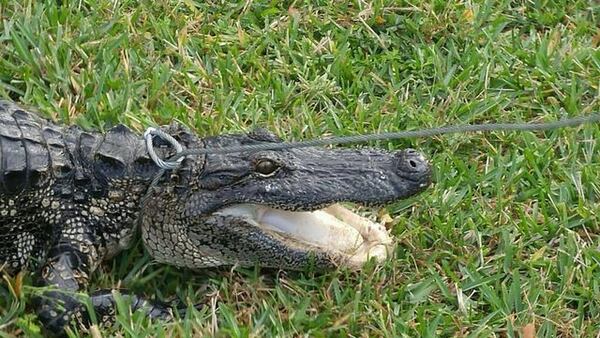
x=507, y=238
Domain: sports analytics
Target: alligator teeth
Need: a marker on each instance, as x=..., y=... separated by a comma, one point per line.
x=376, y=244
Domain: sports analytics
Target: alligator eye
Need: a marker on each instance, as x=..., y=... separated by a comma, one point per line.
x=266, y=167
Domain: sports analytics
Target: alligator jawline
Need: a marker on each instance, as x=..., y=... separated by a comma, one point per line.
x=334, y=229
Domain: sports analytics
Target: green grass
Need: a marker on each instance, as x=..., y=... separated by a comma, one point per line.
x=508, y=235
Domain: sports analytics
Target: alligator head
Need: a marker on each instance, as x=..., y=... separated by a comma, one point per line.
x=277, y=208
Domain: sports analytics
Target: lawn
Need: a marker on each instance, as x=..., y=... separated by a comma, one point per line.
x=507, y=240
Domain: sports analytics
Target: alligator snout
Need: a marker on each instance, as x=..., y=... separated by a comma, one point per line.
x=412, y=165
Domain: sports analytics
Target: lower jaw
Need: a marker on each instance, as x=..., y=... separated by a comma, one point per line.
x=349, y=237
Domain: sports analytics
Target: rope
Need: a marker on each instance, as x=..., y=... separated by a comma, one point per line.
x=528, y=126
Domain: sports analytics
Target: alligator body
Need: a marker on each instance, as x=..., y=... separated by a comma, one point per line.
x=70, y=199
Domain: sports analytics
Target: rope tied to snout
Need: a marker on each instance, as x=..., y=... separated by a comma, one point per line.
x=175, y=160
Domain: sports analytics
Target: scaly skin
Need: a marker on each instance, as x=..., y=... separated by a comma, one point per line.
x=70, y=199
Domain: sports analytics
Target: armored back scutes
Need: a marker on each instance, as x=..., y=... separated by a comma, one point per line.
x=31, y=149
x=34, y=151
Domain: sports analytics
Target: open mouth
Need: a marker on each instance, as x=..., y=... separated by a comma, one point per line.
x=333, y=229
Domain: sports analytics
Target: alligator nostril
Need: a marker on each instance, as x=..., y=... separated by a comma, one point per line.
x=411, y=162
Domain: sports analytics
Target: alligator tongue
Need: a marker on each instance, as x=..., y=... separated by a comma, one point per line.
x=320, y=227
x=315, y=227
x=334, y=228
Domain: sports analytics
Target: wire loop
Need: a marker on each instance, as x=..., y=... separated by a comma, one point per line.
x=167, y=165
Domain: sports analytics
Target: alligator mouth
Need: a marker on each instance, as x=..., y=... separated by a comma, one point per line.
x=335, y=229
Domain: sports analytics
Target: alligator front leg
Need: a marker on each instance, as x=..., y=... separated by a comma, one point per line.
x=66, y=273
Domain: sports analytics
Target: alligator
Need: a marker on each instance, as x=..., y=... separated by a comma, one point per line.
x=71, y=198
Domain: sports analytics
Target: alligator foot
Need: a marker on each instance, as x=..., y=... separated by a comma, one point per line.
x=66, y=272
x=104, y=303
x=58, y=309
